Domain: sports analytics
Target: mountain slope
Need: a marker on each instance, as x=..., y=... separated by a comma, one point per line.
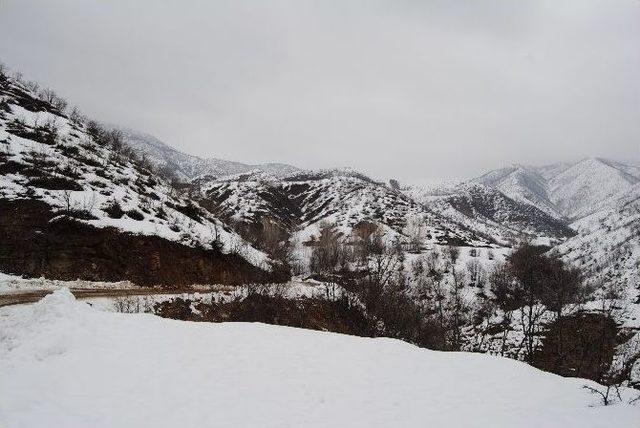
x=302, y=202
x=587, y=185
x=488, y=209
x=186, y=167
x=565, y=190
x=607, y=246
x=522, y=184
x=74, y=203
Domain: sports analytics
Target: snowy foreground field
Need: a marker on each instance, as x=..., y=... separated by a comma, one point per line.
x=65, y=364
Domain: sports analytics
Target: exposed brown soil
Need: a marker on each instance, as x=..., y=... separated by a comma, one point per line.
x=33, y=243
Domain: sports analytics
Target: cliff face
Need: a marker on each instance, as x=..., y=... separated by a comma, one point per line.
x=34, y=242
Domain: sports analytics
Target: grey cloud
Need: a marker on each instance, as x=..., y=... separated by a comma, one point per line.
x=409, y=89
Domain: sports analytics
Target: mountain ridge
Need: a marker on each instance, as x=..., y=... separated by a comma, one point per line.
x=188, y=167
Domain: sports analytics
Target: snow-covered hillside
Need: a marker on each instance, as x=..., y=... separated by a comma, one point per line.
x=607, y=246
x=246, y=193
x=303, y=201
x=186, y=167
x=491, y=211
x=565, y=190
x=52, y=161
x=65, y=364
x=589, y=185
x=523, y=184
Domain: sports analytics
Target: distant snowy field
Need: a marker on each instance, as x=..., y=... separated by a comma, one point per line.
x=64, y=364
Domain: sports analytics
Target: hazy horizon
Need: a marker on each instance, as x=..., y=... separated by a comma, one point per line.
x=407, y=90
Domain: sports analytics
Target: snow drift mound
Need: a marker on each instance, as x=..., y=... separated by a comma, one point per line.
x=65, y=364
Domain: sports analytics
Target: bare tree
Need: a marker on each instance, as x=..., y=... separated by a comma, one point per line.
x=416, y=232
x=476, y=273
x=215, y=236
x=273, y=239
x=327, y=251
x=76, y=116
x=66, y=199
x=605, y=393
x=367, y=240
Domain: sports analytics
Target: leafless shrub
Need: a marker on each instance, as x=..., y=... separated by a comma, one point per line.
x=76, y=116
x=132, y=305
x=329, y=253
x=65, y=198
x=607, y=394
x=32, y=86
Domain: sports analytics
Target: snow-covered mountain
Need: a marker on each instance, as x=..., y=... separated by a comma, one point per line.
x=490, y=210
x=75, y=203
x=503, y=205
x=565, y=190
x=588, y=185
x=523, y=184
x=186, y=167
x=607, y=244
x=303, y=201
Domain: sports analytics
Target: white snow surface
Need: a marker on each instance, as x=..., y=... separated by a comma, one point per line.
x=16, y=284
x=65, y=364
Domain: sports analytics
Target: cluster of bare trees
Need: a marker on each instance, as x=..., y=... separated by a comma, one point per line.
x=530, y=284
x=329, y=253
x=424, y=300
x=435, y=300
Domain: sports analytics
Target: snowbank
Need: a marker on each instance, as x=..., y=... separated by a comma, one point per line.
x=17, y=284
x=64, y=364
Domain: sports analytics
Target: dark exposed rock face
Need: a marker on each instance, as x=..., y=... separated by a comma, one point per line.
x=34, y=242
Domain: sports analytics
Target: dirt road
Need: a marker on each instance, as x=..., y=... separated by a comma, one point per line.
x=84, y=293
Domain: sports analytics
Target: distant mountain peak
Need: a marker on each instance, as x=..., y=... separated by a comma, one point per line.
x=569, y=190
x=188, y=167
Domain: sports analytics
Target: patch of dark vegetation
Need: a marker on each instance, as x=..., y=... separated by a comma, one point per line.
x=79, y=214
x=114, y=210
x=86, y=160
x=98, y=184
x=190, y=210
x=339, y=316
x=28, y=102
x=54, y=183
x=69, y=150
x=11, y=167
x=580, y=345
x=40, y=160
x=135, y=214
x=45, y=134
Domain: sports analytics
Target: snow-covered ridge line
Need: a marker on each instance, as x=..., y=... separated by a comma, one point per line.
x=188, y=167
x=565, y=190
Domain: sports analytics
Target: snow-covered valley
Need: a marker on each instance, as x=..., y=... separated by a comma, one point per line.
x=132, y=225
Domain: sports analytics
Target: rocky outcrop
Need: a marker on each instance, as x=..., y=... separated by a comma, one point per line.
x=35, y=242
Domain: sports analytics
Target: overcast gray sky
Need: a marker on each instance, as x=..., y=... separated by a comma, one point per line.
x=407, y=89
